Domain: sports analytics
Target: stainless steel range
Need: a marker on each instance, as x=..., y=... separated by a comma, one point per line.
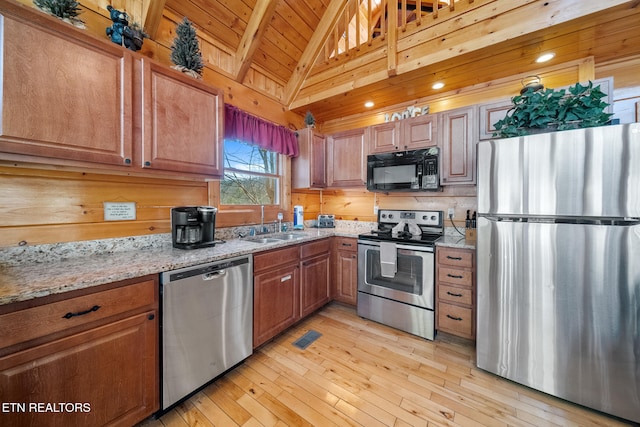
x=396, y=270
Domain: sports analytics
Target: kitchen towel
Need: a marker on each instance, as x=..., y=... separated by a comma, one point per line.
x=388, y=259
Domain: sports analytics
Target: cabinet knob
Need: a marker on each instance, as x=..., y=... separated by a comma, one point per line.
x=127, y=161
x=151, y=317
x=147, y=163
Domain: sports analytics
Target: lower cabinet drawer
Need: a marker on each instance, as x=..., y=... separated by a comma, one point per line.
x=456, y=295
x=24, y=325
x=456, y=320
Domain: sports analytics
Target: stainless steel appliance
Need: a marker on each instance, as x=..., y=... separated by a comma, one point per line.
x=326, y=221
x=207, y=324
x=558, y=269
x=415, y=170
x=193, y=226
x=396, y=270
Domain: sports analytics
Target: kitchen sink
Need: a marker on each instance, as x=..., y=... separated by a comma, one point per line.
x=288, y=236
x=264, y=240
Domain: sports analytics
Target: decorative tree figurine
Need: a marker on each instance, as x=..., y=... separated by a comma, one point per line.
x=67, y=10
x=185, y=51
x=309, y=120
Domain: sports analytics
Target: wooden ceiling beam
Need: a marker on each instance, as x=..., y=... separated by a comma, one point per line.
x=152, y=16
x=258, y=23
x=517, y=22
x=323, y=31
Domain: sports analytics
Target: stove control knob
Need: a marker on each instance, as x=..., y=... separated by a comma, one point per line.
x=383, y=215
x=390, y=216
x=433, y=218
x=425, y=217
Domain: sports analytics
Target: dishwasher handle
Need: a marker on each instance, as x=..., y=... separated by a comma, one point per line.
x=214, y=275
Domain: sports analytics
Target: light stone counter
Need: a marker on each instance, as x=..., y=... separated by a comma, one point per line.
x=32, y=272
x=455, y=241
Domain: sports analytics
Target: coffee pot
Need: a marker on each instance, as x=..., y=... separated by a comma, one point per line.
x=193, y=226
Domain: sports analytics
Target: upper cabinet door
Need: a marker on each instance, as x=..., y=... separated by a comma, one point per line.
x=62, y=97
x=347, y=158
x=308, y=169
x=385, y=137
x=182, y=122
x=420, y=132
x=458, y=145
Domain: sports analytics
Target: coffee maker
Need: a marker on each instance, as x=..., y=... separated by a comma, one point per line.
x=193, y=226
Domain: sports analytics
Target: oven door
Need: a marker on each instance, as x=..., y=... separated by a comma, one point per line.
x=414, y=279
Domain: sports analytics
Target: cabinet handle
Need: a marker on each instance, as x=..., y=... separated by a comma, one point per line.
x=69, y=315
x=453, y=276
x=457, y=258
x=306, y=263
x=454, y=318
x=127, y=161
x=453, y=295
x=354, y=256
x=346, y=244
x=285, y=278
x=147, y=163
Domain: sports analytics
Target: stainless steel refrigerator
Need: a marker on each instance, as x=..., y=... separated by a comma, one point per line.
x=558, y=276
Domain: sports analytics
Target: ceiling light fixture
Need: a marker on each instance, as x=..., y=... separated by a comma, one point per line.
x=438, y=85
x=545, y=57
x=369, y=104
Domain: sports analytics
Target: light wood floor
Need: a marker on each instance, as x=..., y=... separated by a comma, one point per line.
x=363, y=373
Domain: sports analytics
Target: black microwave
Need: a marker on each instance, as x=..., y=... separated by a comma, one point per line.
x=416, y=170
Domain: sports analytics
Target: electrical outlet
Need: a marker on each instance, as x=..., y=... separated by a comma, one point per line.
x=450, y=213
x=375, y=210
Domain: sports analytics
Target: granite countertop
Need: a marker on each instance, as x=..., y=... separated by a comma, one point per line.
x=27, y=273
x=455, y=241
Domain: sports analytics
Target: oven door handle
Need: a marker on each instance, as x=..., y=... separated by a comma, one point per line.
x=415, y=248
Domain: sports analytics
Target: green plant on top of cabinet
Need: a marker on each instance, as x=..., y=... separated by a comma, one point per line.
x=347, y=158
x=308, y=170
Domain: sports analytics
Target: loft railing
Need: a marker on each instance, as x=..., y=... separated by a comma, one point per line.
x=364, y=22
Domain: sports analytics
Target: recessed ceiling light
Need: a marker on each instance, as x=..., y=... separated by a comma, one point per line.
x=369, y=104
x=545, y=57
x=438, y=85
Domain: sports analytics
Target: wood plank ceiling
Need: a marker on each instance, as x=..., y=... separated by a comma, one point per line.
x=284, y=41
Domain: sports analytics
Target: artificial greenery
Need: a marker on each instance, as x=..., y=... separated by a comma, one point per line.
x=67, y=10
x=579, y=106
x=185, y=51
x=309, y=120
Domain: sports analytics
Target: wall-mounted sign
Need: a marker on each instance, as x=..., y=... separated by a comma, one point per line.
x=409, y=112
x=119, y=211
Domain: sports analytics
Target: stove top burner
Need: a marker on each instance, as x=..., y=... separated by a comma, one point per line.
x=427, y=227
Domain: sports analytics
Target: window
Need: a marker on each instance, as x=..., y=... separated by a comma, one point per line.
x=251, y=175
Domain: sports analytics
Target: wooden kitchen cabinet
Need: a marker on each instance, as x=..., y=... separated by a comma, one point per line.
x=308, y=170
x=385, y=137
x=457, y=135
x=314, y=275
x=345, y=271
x=182, y=121
x=347, y=158
x=96, y=351
x=456, y=292
x=489, y=114
x=54, y=105
x=420, y=132
x=276, y=292
x=132, y=114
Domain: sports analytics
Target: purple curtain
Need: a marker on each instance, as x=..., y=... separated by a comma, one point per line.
x=252, y=130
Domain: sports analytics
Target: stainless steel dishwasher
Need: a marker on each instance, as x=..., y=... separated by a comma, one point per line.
x=207, y=323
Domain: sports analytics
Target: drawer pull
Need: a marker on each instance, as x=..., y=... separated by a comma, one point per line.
x=69, y=315
x=453, y=276
x=346, y=244
x=456, y=258
x=454, y=318
x=453, y=295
